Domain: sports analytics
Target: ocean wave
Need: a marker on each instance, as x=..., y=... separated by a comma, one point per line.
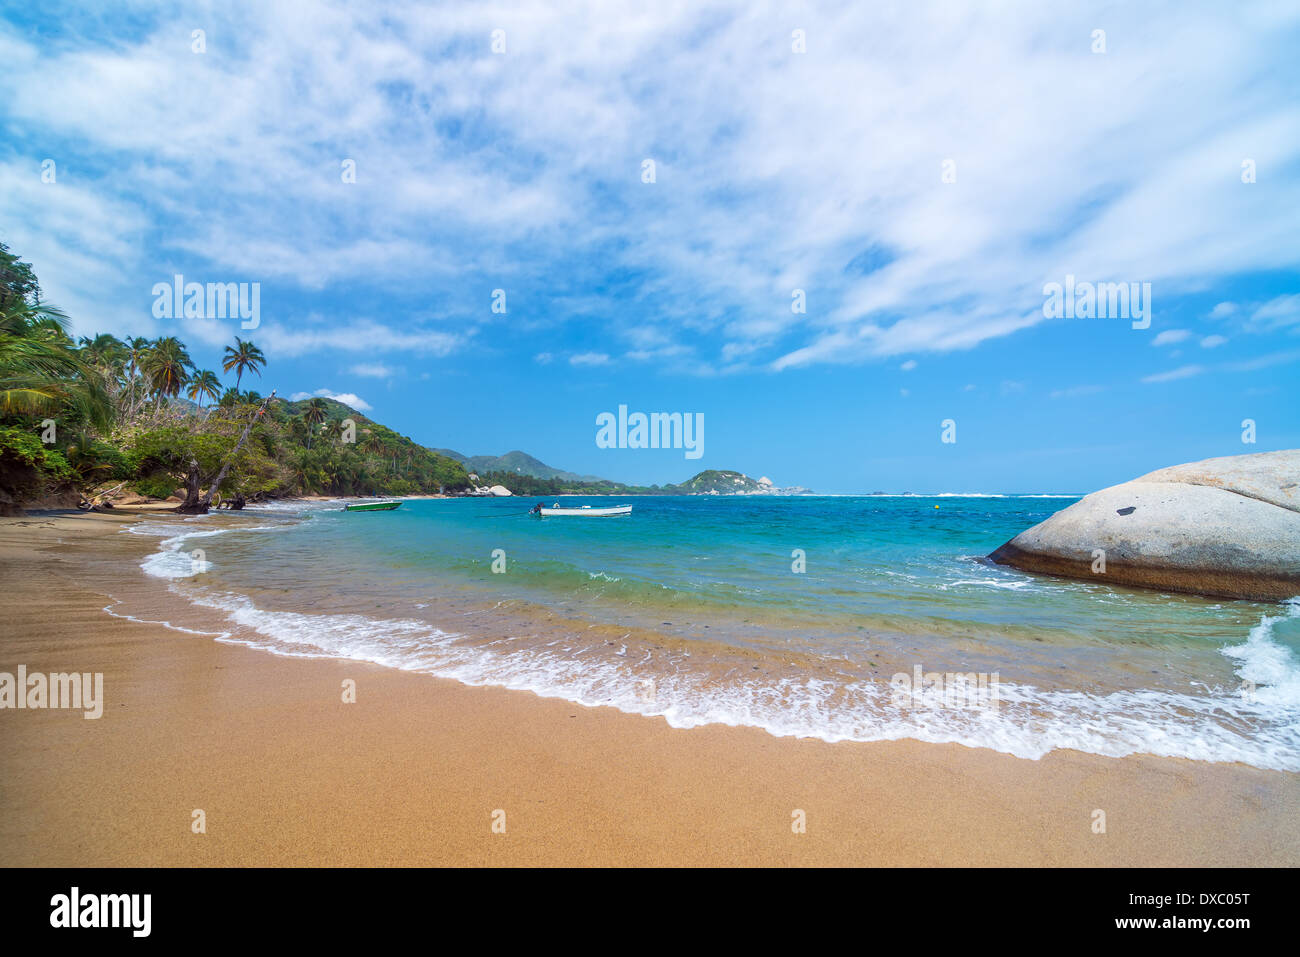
x=1261, y=728
x=1009, y=583
x=171, y=561
x=1258, y=723
x=1269, y=671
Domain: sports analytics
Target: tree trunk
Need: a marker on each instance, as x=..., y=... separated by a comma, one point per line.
x=200, y=506
x=191, y=504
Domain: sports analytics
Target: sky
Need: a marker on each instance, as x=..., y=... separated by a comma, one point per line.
x=916, y=174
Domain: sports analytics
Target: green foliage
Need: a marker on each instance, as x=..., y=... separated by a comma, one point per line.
x=119, y=417
x=377, y=462
x=161, y=456
x=28, y=467
x=26, y=448
x=158, y=485
x=720, y=480
x=96, y=460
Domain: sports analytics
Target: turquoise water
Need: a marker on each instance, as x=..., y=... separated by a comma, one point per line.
x=797, y=615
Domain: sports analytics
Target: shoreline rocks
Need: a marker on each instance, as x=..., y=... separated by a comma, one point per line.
x=1225, y=527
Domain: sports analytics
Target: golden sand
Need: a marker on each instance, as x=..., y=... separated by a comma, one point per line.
x=411, y=773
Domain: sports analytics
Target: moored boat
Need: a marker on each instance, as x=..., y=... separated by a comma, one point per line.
x=371, y=507
x=586, y=511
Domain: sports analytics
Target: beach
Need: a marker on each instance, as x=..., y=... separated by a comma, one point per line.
x=417, y=770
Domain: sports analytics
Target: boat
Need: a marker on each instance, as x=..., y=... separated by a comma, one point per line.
x=586, y=511
x=371, y=507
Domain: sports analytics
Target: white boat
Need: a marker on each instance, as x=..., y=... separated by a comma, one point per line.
x=586, y=511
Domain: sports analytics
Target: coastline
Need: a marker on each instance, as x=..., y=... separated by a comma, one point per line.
x=286, y=773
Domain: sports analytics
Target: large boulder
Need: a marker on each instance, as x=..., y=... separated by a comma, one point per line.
x=1227, y=527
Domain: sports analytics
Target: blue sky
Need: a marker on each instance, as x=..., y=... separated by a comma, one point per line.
x=774, y=171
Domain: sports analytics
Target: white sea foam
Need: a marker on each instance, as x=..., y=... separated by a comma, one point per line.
x=1270, y=671
x=166, y=624
x=172, y=560
x=1011, y=583
x=1262, y=729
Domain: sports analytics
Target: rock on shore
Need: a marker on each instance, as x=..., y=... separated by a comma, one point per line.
x=1227, y=527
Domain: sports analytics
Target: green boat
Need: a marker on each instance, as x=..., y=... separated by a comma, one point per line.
x=371, y=507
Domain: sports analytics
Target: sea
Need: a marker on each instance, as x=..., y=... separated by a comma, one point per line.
x=844, y=618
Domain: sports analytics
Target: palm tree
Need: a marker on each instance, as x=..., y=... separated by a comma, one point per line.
x=314, y=414
x=137, y=348
x=167, y=367
x=41, y=371
x=299, y=431
x=105, y=351
x=204, y=383
x=242, y=357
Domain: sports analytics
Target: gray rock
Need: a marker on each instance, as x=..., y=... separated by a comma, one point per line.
x=1227, y=527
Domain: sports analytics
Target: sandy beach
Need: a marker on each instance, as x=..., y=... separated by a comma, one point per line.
x=412, y=773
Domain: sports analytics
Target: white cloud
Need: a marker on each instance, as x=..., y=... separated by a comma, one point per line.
x=1213, y=342
x=543, y=358
x=350, y=399
x=909, y=365
x=316, y=335
x=1223, y=310
x=589, y=359
x=1182, y=372
x=373, y=370
x=1282, y=311
x=1170, y=336
x=776, y=171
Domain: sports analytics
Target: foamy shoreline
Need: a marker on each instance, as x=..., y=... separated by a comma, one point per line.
x=288, y=774
x=1032, y=720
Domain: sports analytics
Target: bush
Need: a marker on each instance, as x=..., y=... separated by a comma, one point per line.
x=158, y=485
x=28, y=468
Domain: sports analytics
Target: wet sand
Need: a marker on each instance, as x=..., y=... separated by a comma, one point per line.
x=286, y=772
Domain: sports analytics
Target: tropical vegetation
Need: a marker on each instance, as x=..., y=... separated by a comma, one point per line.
x=82, y=418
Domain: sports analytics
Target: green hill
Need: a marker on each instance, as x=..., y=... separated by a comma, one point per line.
x=520, y=463
x=720, y=481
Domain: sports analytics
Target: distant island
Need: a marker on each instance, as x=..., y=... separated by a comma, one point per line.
x=531, y=477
